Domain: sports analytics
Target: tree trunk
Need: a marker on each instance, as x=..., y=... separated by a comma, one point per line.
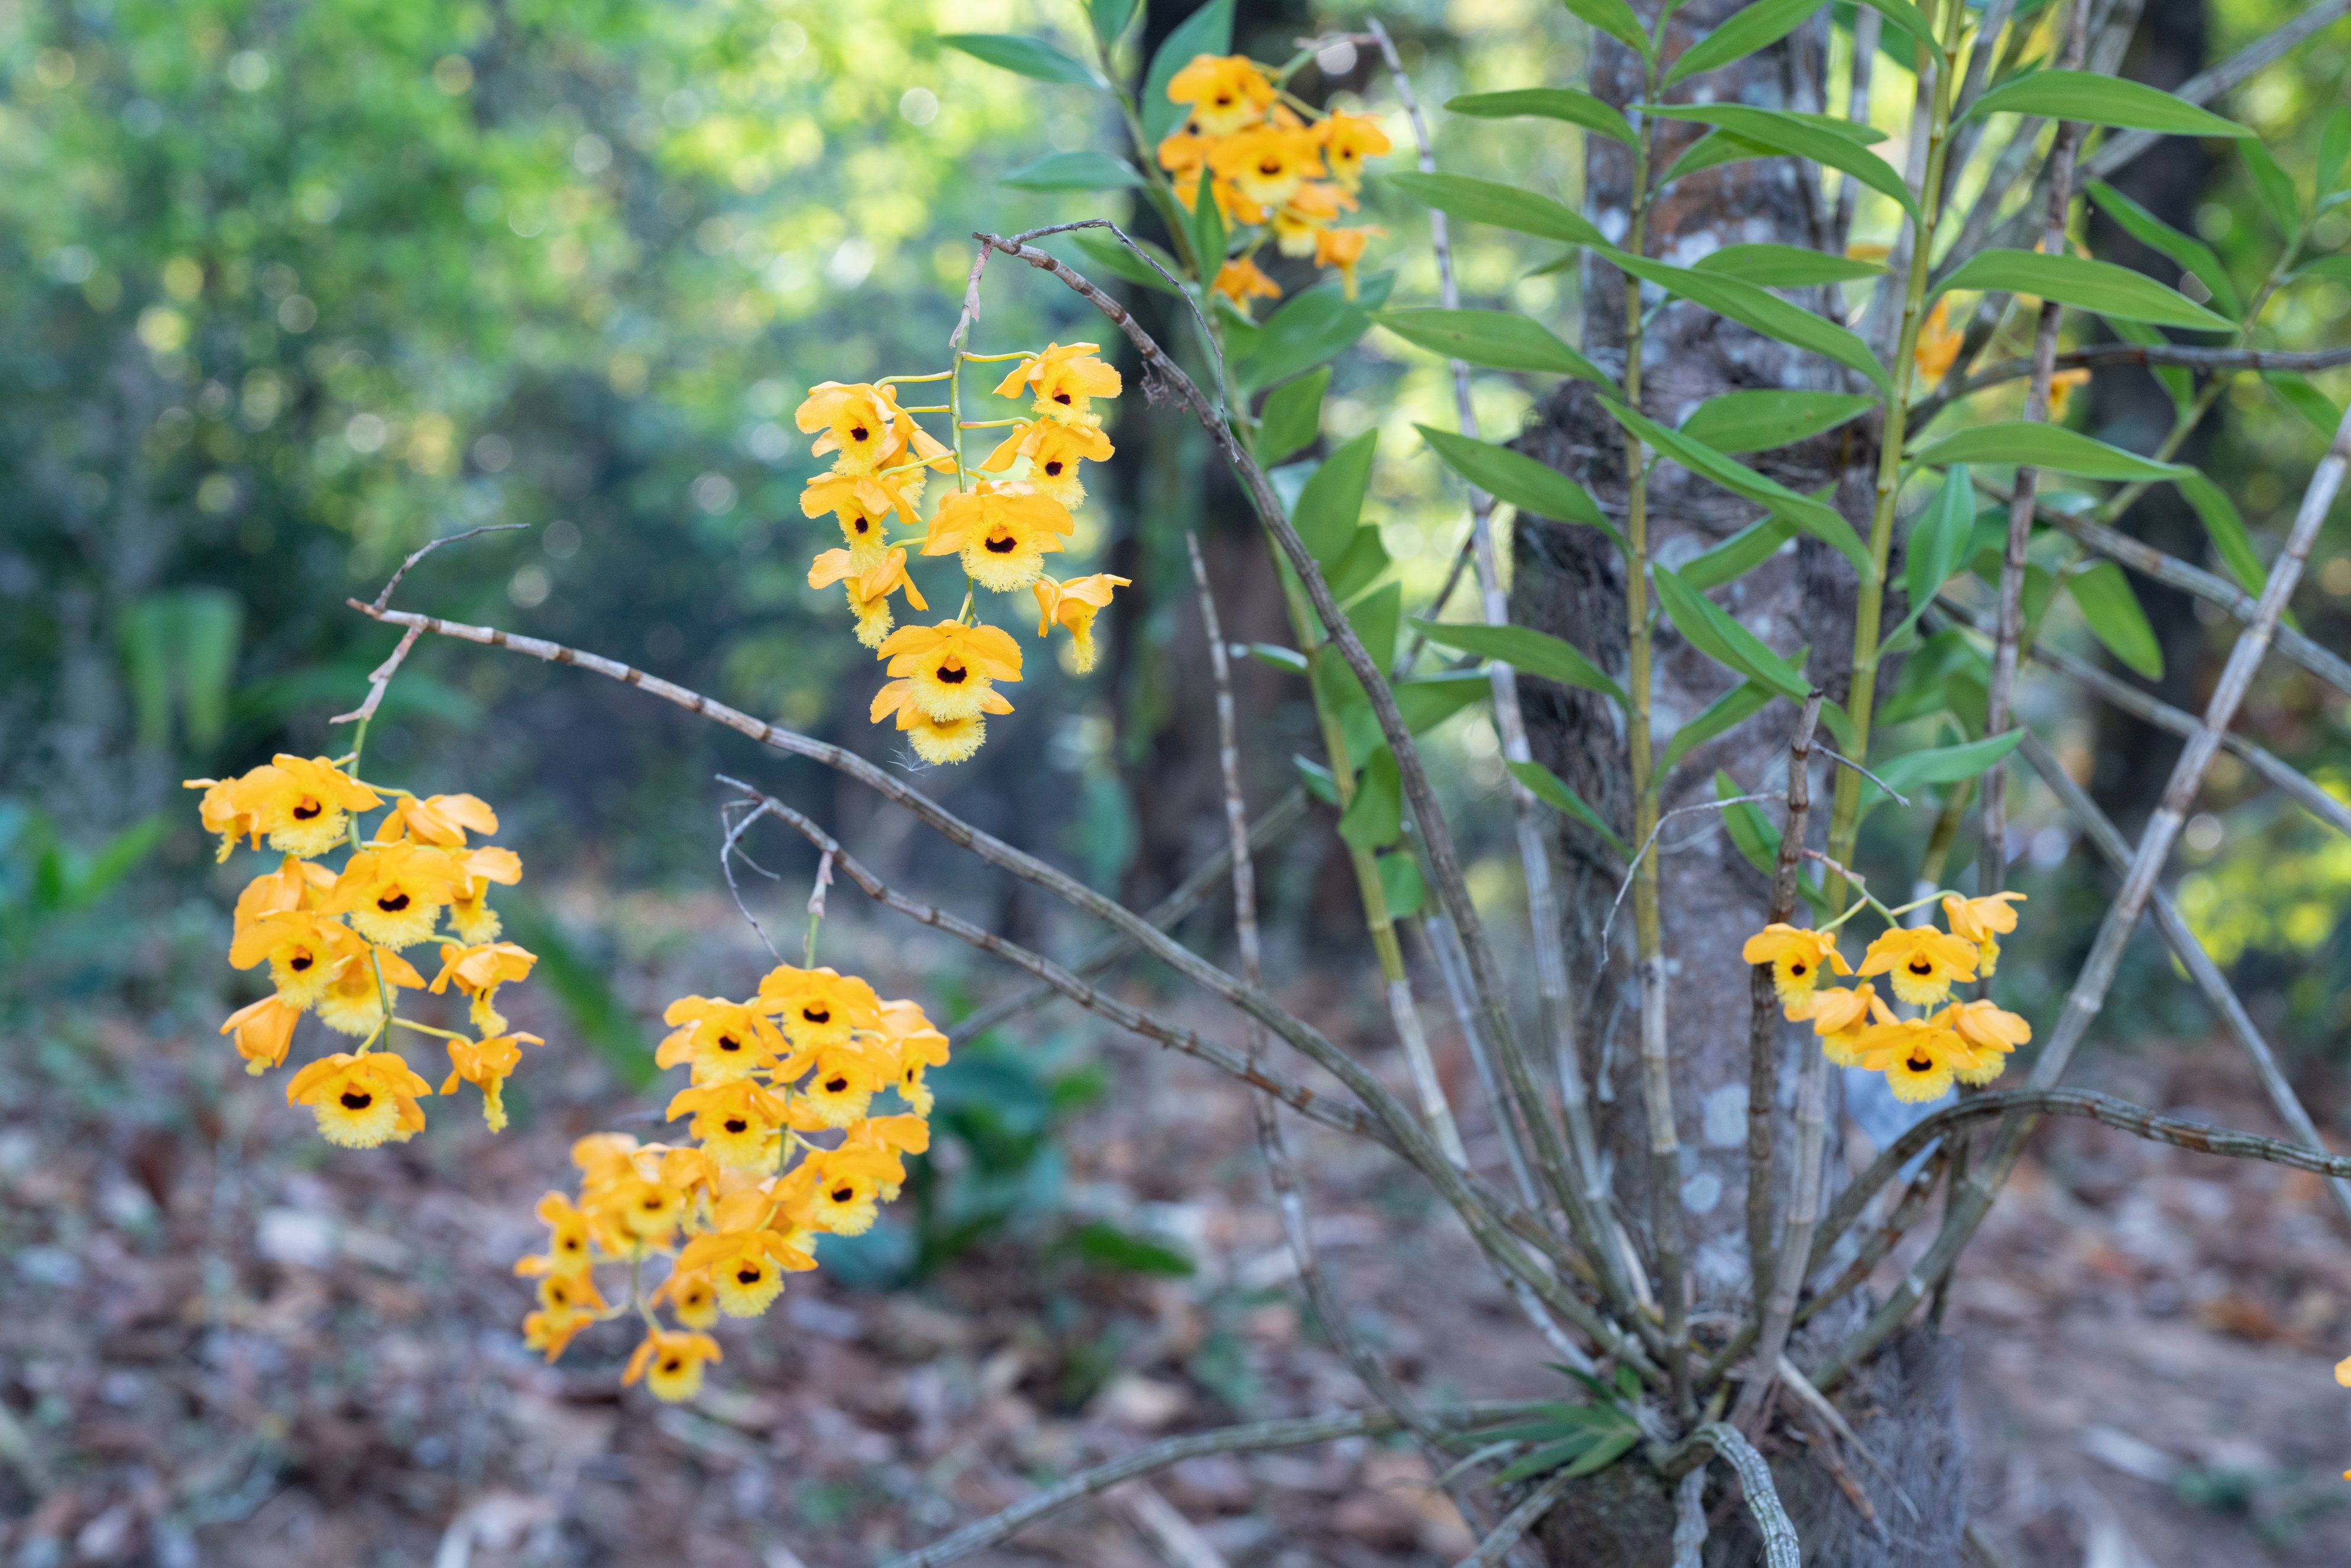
x=2133, y=410
x=1569, y=581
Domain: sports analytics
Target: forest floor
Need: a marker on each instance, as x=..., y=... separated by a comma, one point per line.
x=221, y=1343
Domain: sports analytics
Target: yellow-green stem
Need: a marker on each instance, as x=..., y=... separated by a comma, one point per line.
x=1845, y=815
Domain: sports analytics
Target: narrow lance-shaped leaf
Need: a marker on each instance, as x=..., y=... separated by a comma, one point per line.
x=2301, y=395
x=1614, y=18
x=2277, y=187
x=2192, y=254
x=1553, y=791
x=1032, y=58
x=1757, y=26
x=1206, y=31
x=1815, y=518
x=1104, y=251
x=2112, y=612
x=1945, y=764
x=2221, y=519
x=1525, y=650
x=1785, y=266
x=1291, y=417
x=1516, y=479
x=1491, y=339
x=1763, y=312
x=1740, y=704
x=1758, y=420
x=2099, y=286
x=2043, y=445
x=2097, y=100
x=1911, y=20
x=1573, y=105
x=1937, y=546
x=1375, y=818
x=1739, y=554
x=1332, y=501
x=1504, y=206
x=1432, y=699
x=1758, y=840
x=1718, y=635
x=1796, y=138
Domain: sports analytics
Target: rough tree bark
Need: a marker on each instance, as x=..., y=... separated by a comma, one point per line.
x=1569, y=581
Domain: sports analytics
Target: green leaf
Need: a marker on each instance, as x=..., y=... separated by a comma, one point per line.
x=1291, y=417
x=1504, y=206
x=1376, y=617
x=1533, y=487
x=2173, y=379
x=1758, y=420
x=1310, y=327
x=2099, y=286
x=1553, y=791
x=2305, y=400
x=1401, y=885
x=2337, y=268
x=1911, y=20
x=1109, y=17
x=1614, y=18
x=1570, y=104
x=1332, y=501
x=1375, y=818
x=1085, y=170
x=1727, y=147
x=1549, y=1456
x=2192, y=254
x=2333, y=150
x=1525, y=649
x=1104, y=253
x=1356, y=569
x=2222, y=520
x=2276, y=188
x=1785, y=266
x=1024, y=57
x=1289, y=661
x=1944, y=674
x=1718, y=635
x=2040, y=445
x=1428, y=702
x=1105, y=1246
x=1602, y=1454
x=2112, y=614
x=1492, y=340
x=1755, y=27
x=1206, y=31
x=1815, y=517
x=1319, y=780
x=1937, y=545
x=1207, y=226
x=1739, y=554
x=2096, y=99
x=1763, y=312
x=1751, y=830
x=1946, y=764
x=1735, y=706
x=1793, y=135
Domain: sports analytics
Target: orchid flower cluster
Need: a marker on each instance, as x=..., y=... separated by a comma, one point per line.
x=1945, y=1041
x=1276, y=169
x=743, y=1205
x=1004, y=517
x=333, y=939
